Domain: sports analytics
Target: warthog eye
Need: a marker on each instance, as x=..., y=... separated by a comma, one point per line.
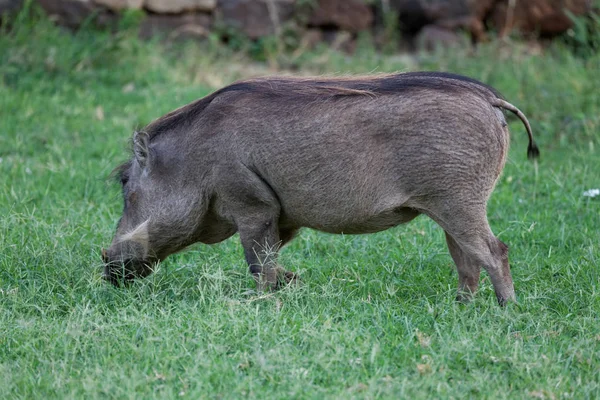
x=122, y=172
x=124, y=179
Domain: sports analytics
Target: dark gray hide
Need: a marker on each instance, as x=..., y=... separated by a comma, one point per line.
x=268, y=156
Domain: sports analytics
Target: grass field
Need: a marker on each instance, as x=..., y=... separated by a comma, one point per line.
x=375, y=316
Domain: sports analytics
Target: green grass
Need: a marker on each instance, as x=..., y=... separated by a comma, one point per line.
x=375, y=315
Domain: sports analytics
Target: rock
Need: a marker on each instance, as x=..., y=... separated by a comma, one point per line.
x=433, y=37
x=311, y=38
x=255, y=18
x=72, y=13
x=184, y=26
x=415, y=14
x=10, y=6
x=340, y=40
x=546, y=17
x=348, y=15
x=178, y=6
x=468, y=23
x=481, y=8
x=118, y=5
x=450, y=14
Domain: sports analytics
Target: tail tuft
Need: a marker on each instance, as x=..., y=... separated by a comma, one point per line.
x=532, y=151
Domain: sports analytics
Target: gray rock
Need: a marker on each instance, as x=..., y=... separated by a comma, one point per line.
x=347, y=15
x=9, y=6
x=415, y=14
x=178, y=6
x=546, y=17
x=184, y=26
x=117, y=5
x=255, y=18
x=433, y=37
x=72, y=13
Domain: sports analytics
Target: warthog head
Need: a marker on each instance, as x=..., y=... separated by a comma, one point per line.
x=155, y=200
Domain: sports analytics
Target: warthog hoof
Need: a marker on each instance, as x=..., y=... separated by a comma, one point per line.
x=275, y=279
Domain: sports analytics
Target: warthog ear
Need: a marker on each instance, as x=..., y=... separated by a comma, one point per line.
x=140, y=148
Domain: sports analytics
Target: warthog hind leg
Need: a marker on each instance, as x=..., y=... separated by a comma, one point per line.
x=473, y=244
x=468, y=271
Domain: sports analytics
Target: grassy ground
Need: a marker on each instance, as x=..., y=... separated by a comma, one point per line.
x=375, y=315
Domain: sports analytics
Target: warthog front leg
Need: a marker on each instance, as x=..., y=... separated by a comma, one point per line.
x=255, y=210
x=261, y=241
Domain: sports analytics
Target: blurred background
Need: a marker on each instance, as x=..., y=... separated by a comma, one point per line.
x=402, y=24
x=280, y=31
x=259, y=37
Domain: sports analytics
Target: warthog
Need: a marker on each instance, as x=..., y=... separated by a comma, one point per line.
x=265, y=157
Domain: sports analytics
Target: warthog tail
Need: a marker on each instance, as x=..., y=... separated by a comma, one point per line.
x=532, y=149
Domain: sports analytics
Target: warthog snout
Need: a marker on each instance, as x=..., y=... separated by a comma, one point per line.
x=122, y=270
